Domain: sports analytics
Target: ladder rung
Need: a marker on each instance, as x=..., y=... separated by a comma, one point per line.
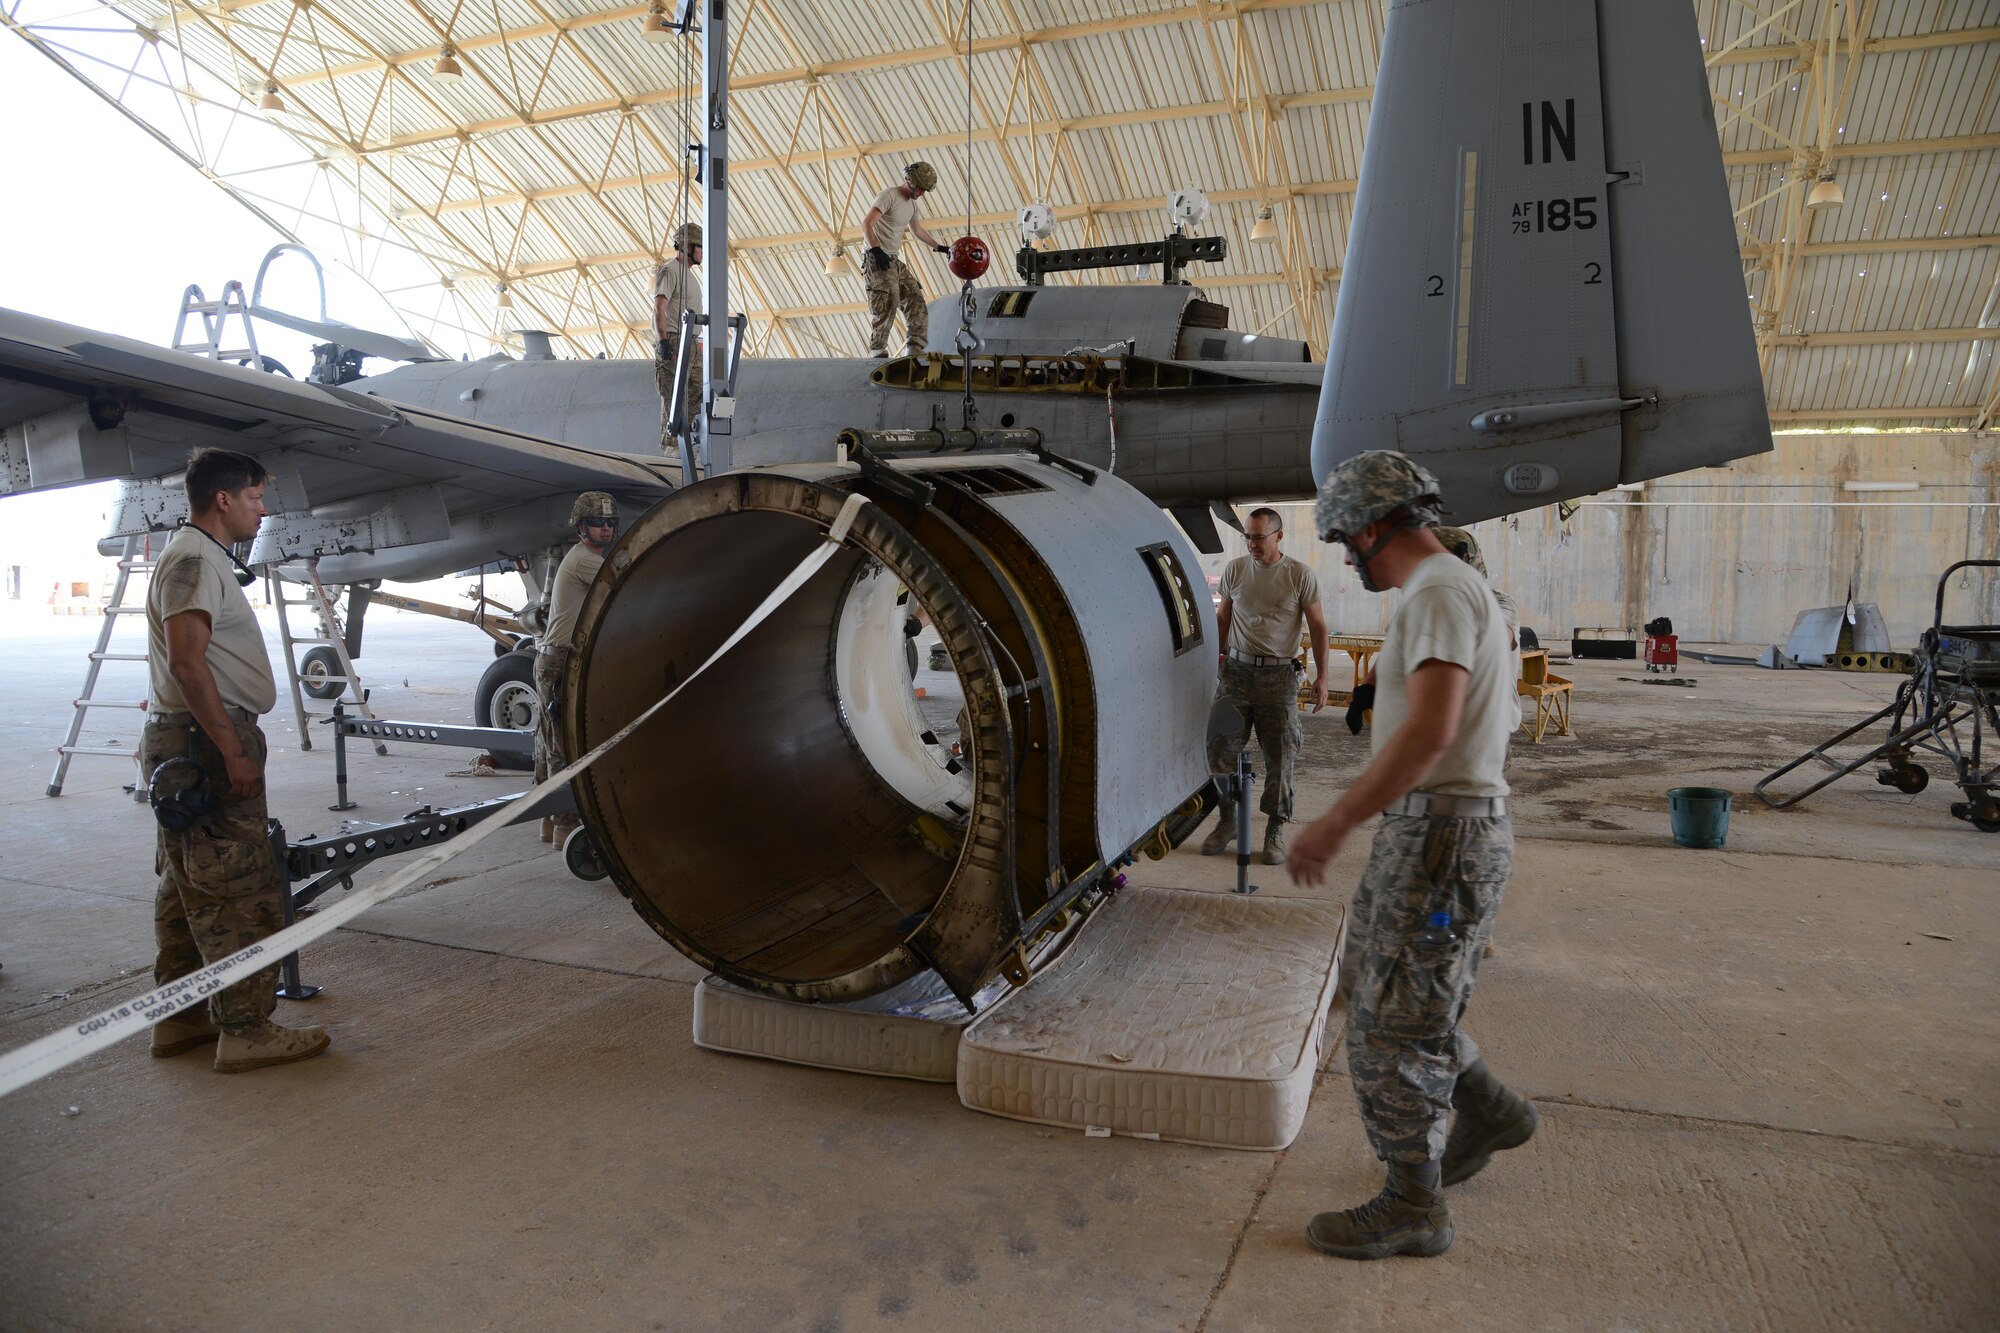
x=137, y=566
x=120, y=657
x=109, y=703
x=129, y=753
x=321, y=643
x=201, y=307
x=124, y=610
x=234, y=354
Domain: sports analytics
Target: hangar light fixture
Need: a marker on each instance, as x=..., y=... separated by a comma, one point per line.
x=447, y=67
x=506, y=301
x=271, y=104
x=655, y=28
x=1826, y=193
x=1266, y=229
x=838, y=265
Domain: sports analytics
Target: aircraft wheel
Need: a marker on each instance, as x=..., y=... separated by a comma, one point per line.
x=580, y=854
x=320, y=674
x=506, y=698
x=1911, y=779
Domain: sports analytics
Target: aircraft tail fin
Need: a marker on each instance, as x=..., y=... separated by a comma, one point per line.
x=1542, y=295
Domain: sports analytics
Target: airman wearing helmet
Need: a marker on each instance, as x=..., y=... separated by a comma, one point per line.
x=1466, y=547
x=1439, y=864
x=890, y=283
x=676, y=290
x=593, y=518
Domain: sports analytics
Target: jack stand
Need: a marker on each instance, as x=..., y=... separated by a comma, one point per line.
x=289, y=985
x=1238, y=787
x=340, y=758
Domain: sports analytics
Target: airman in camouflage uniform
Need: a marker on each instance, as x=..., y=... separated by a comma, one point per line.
x=890, y=284
x=1268, y=601
x=675, y=289
x=1437, y=870
x=594, y=521
x=220, y=888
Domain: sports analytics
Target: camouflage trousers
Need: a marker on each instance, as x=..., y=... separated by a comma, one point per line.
x=551, y=666
x=664, y=354
x=1268, y=699
x=890, y=290
x=220, y=889
x=1418, y=923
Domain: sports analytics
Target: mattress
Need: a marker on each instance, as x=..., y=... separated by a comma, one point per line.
x=1176, y=1014
x=910, y=1030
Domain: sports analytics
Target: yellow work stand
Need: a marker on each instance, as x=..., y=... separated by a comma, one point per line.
x=1550, y=693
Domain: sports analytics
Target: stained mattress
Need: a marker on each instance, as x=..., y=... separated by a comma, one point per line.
x=908, y=1031
x=1197, y=1017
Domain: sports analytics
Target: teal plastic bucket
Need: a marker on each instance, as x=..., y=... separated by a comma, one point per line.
x=1700, y=816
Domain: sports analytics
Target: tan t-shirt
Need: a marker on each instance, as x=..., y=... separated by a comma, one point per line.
x=194, y=574
x=1448, y=614
x=1267, y=604
x=897, y=215
x=675, y=281
x=572, y=581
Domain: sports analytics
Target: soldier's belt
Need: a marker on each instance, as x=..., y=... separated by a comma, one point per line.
x=1253, y=660
x=1422, y=803
x=185, y=719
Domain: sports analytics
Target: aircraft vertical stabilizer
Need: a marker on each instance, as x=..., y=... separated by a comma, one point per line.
x=1542, y=296
x=1684, y=332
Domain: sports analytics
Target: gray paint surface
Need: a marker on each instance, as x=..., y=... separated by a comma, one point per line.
x=1497, y=130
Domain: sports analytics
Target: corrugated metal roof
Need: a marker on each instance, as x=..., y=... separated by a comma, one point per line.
x=555, y=166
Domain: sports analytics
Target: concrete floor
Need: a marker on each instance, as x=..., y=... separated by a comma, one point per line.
x=1766, y=1083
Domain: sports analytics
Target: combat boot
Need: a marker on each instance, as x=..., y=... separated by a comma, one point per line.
x=1487, y=1117
x=267, y=1044
x=185, y=1031
x=1274, y=842
x=1222, y=834
x=1409, y=1216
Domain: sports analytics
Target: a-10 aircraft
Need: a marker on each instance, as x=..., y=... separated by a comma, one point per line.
x=1542, y=299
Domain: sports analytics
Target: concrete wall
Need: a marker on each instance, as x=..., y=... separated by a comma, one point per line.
x=1733, y=554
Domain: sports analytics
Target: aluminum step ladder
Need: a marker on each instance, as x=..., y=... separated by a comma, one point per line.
x=125, y=601
x=215, y=317
x=328, y=635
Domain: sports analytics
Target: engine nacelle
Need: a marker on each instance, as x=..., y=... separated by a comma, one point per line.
x=790, y=821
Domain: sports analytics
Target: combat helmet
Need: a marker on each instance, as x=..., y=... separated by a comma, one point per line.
x=686, y=236
x=1368, y=488
x=592, y=504
x=921, y=175
x=1463, y=545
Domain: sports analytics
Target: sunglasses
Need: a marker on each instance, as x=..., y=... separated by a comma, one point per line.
x=600, y=522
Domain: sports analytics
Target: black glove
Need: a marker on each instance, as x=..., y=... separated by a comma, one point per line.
x=912, y=627
x=663, y=349
x=1364, y=699
x=877, y=258
x=942, y=249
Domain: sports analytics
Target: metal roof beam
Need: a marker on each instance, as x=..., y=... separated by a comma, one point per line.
x=1882, y=337
x=825, y=69
x=1877, y=414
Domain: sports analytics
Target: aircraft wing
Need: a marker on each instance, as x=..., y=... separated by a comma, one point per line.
x=79, y=406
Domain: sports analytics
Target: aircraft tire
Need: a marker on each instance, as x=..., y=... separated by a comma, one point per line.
x=504, y=694
x=315, y=668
